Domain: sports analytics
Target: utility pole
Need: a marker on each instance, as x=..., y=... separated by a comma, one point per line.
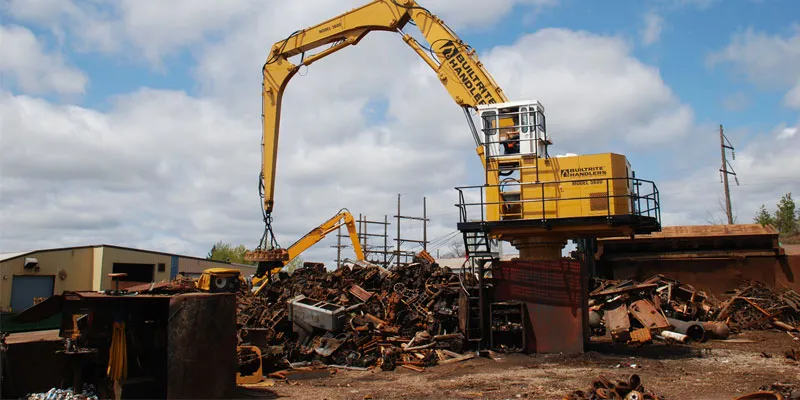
x=425, y=224
x=339, y=247
x=725, y=172
x=398, y=230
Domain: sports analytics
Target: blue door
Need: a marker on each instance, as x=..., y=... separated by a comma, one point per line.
x=25, y=287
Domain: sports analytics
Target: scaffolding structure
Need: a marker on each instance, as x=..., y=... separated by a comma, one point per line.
x=373, y=236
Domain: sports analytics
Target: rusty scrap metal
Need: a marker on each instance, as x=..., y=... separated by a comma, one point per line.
x=756, y=306
x=603, y=388
x=406, y=316
x=627, y=307
x=660, y=303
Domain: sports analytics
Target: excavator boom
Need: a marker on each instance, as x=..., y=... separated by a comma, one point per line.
x=273, y=260
x=453, y=61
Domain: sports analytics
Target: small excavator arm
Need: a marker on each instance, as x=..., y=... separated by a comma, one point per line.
x=454, y=62
x=272, y=261
x=311, y=238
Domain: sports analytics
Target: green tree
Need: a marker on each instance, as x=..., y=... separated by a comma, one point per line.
x=222, y=251
x=786, y=216
x=763, y=217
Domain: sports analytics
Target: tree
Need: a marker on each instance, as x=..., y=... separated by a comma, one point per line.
x=456, y=249
x=785, y=216
x=222, y=251
x=720, y=215
x=763, y=217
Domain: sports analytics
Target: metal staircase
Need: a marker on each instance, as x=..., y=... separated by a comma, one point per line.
x=477, y=246
x=478, y=249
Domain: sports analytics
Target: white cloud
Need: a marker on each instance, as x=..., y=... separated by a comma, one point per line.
x=32, y=68
x=767, y=168
x=769, y=61
x=653, y=25
x=158, y=31
x=480, y=13
x=787, y=133
x=792, y=98
x=85, y=25
x=593, y=90
x=163, y=169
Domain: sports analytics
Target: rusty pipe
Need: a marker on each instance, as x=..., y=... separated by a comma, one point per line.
x=783, y=326
x=678, y=337
x=693, y=329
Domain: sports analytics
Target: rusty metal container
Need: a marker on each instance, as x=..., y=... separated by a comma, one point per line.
x=317, y=314
x=555, y=294
x=180, y=346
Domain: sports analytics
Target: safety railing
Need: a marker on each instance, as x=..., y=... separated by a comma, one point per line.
x=642, y=202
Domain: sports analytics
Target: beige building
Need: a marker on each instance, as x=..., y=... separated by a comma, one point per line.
x=42, y=273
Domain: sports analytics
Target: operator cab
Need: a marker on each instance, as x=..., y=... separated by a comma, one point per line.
x=513, y=129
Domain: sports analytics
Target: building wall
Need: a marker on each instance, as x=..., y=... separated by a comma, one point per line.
x=87, y=268
x=113, y=255
x=76, y=263
x=196, y=266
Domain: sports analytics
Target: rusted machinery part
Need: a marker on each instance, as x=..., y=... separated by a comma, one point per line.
x=717, y=330
x=595, y=319
x=634, y=395
x=435, y=283
x=761, y=396
x=693, y=329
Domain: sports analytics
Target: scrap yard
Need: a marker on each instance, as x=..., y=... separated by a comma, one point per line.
x=598, y=299
x=365, y=331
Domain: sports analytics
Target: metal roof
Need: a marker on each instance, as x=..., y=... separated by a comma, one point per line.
x=9, y=256
x=703, y=231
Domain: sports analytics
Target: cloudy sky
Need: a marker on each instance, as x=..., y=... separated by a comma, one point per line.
x=137, y=122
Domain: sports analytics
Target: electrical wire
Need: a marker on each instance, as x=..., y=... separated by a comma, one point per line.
x=283, y=46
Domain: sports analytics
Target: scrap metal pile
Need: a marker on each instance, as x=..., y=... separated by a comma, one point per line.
x=603, y=388
x=88, y=393
x=666, y=309
x=356, y=316
x=755, y=306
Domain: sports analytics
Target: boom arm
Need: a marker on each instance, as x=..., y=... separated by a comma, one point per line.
x=272, y=261
x=454, y=62
x=318, y=233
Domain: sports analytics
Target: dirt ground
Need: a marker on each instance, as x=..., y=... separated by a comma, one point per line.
x=712, y=370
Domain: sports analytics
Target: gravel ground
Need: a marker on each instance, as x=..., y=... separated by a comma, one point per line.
x=712, y=370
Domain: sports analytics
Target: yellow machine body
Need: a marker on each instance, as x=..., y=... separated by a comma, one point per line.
x=220, y=280
x=563, y=187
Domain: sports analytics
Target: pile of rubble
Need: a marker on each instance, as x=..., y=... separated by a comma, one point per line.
x=88, y=393
x=755, y=306
x=666, y=309
x=603, y=388
x=355, y=317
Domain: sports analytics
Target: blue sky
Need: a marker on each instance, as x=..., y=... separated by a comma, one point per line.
x=169, y=110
